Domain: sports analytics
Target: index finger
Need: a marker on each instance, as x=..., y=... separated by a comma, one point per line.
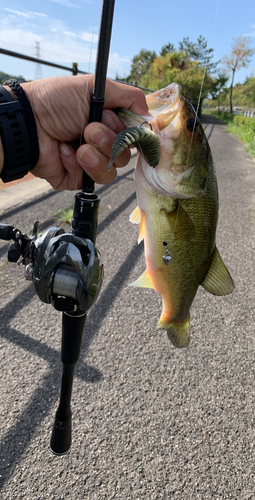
x=125, y=96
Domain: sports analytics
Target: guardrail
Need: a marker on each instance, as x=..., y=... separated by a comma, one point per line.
x=248, y=113
x=73, y=69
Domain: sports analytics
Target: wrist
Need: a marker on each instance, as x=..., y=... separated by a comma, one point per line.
x=1, y=156
x=1, y=144
x=18, y=132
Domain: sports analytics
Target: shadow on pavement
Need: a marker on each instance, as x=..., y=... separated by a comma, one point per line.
x=19, y=436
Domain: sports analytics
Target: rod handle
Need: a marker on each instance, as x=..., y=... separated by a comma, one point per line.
x=72, y=332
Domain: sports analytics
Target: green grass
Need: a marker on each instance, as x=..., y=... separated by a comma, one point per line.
x=65, y=216
x=241, y=126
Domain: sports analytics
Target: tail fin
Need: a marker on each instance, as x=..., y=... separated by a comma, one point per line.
x=178, y=332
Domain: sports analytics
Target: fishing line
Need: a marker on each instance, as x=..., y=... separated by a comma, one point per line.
x=86, y=88
x=199, y=99
x=203, y=78
x=207, y=62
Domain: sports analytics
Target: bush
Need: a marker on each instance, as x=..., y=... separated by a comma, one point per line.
x=242, y=126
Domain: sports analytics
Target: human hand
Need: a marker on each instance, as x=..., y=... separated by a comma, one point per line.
x=61, y=107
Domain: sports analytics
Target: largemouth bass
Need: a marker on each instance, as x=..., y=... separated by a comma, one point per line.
x=177, y=208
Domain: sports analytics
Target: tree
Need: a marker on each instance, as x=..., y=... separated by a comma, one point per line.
x=239, y=58
x=140, y=65
x=169, y=47
x=199, y=52
x=219, y=85
x=247, y=92
x=164, y=70
x=5, y=76
x=189, y=74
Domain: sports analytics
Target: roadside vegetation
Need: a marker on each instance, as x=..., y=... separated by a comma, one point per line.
x=5, y=76
x=243, y=96
x=241, y=126
x=64, y=217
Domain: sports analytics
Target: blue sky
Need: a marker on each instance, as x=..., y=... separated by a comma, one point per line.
x=68, y=31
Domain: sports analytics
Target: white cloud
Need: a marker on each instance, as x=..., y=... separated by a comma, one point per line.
x=66, y=3
x=19, y=36
x=58, y=43
x=39, y=14
x=56, y=47
x=89, y=37
x=117, y=62
x=252, y=34
x=69, y=33
x=18, y=13
x=25, y=15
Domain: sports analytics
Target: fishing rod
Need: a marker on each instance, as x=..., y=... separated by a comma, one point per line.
x=84, y=226
x=66, y=268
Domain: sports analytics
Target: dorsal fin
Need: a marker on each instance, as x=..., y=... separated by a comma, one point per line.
x=218, y=280
x=144, y=281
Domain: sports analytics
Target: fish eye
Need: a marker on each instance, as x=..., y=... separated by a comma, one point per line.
x=192, y=125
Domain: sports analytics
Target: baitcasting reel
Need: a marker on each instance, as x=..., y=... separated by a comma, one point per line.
x=66, y=269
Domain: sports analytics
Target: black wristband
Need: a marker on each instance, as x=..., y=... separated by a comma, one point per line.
x=29, y=117
x=20, y=141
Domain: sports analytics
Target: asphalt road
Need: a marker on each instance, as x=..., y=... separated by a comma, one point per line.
x=149, y=421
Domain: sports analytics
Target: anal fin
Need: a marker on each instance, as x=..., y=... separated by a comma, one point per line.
x=144, y=281
x=218, y=280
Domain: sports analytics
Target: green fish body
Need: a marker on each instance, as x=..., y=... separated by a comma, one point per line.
x=178, y=212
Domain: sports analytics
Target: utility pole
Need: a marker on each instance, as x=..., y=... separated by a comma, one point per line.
x=38, y=68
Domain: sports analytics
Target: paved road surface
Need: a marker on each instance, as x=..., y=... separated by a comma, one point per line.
x=149, y=421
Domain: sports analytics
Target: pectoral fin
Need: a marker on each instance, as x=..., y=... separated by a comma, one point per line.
x=135, y=217
x=144, y=281
x=218, y=280
x=181, y=225
x=142, y=227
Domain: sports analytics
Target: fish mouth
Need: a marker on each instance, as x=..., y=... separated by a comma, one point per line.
x=165, y=104
x=163, y=98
